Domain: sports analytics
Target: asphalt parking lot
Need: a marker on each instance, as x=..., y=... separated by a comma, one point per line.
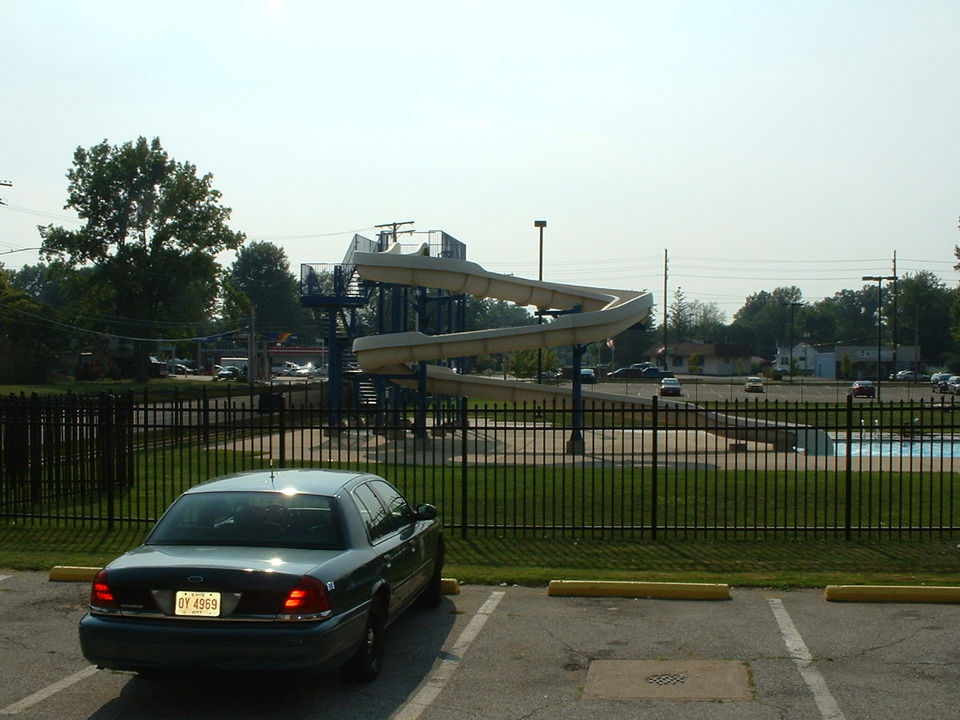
x=715, y=389
x=511, y=652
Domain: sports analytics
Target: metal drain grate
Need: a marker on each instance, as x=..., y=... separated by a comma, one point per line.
x=671, y=679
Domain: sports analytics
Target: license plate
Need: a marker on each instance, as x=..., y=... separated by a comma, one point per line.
x=196, y=603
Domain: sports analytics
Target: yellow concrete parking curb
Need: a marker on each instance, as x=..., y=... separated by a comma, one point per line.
x=67, y=573
x=449, y=586
x=892, y=593
x=634, y=589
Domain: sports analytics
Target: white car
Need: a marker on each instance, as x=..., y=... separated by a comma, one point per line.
x=308, y=370
x=753, y=384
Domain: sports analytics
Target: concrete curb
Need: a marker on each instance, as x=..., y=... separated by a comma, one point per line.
x=449, y=586
x=892, y=593
x=630, y=589
x=67, y=573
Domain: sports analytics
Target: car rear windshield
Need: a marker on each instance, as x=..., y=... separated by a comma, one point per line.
x=251, y=519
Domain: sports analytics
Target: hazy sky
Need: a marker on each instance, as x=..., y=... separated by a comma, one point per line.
x=760, y=144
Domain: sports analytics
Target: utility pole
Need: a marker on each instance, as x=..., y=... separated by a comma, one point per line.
x=792, y=306
x=879, y=280
x=252, y=349
x=894, y=276
x=394, y=229
x=665, y=312
x=540, y=225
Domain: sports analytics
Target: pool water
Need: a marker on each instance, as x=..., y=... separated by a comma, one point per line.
x=937, y=447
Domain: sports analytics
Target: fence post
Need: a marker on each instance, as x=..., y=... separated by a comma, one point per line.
x=654, y=477
x=464, y=424
x=35, y=450
x=282, y=412
x=106, y=448
x=848, y=474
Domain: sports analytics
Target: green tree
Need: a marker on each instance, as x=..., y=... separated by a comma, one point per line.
x=707, y=321
x=40, y=282
x=261, y=272
x=27, y=336
x=523, y=363
x=680, y=318
x=634, y=343
x=846, y=366
x=767, y=316
x=489, y=313
x=152, y=230
x=852, y=314
x=922, y=301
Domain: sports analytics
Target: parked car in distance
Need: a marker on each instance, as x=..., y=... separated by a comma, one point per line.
x=669, y=386
x=655, y=373
x=267, y=571
x=953, y=385
x=588, y=376
x=308, y=370
x=910, y=376
x=228, y=372
x=754, y=385
x=938, y=381
x=862, y=388
x=626, y=373
x=285, y=369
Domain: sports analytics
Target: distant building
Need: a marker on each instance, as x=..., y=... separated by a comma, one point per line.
x=862, y=360
x=711, y=358
x=804, y=357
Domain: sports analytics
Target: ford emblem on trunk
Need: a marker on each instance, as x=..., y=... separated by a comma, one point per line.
x=195, y=579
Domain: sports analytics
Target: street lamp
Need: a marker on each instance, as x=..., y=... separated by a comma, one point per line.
x=792, y=306
x=541, y=224
x=879, y=280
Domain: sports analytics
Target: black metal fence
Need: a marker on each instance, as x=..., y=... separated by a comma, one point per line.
x=734, y=470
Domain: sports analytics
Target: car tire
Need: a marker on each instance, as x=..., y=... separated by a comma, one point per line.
x=366, y=662
x=433, y=594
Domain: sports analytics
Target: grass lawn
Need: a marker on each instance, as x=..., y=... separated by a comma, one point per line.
x=534, y=562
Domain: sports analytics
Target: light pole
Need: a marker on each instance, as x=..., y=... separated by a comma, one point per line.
x=792, y=306
x=541, y=224
x=879, y=280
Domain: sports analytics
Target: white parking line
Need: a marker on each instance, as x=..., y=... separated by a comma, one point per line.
x=3, y=577
x=434, y=684
x=42, y=695
x=829, y=709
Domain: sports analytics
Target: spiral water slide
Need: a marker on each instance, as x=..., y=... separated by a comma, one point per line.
x=602, y=313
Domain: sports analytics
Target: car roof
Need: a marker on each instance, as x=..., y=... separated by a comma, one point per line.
x=300, y=480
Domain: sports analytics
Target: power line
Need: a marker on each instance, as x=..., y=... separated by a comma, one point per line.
x=74, y=328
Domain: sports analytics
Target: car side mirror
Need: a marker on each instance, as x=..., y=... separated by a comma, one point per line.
x=426, y=512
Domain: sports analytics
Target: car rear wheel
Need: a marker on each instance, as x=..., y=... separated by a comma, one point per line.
x=366, y=662
x=433, y=594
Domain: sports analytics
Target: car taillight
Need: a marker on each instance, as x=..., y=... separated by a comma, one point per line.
x=101, y=596
x=309, y=596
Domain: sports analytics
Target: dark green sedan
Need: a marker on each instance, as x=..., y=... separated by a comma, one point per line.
x=268, y=570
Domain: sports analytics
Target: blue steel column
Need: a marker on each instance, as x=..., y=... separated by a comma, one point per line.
x=575, y=445
x=334, y=370
x=420, y=410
